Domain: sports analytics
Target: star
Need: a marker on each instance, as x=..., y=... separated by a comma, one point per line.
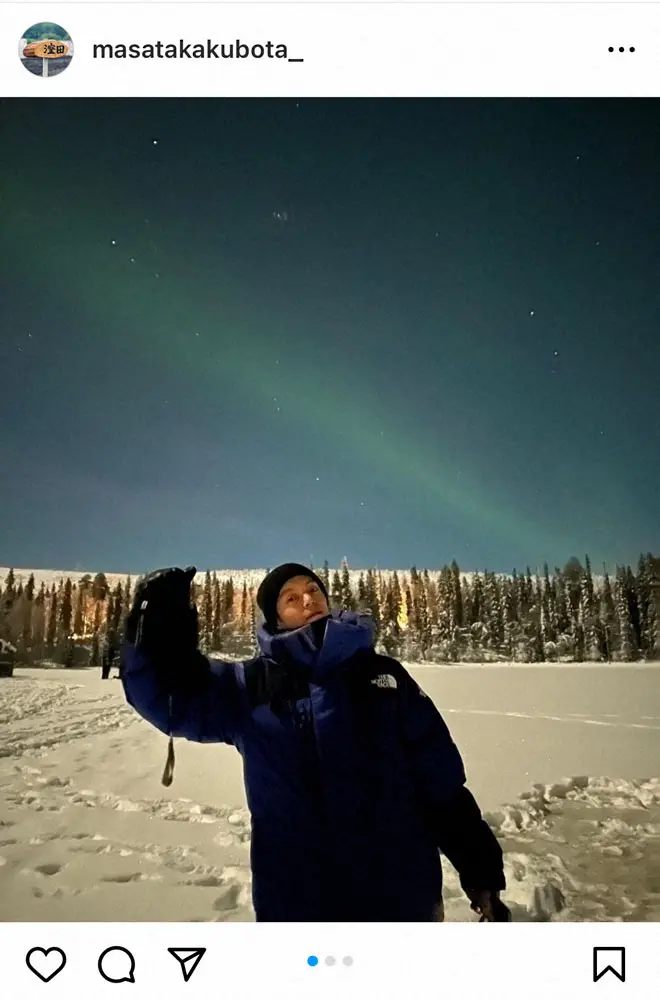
x=113, y=242
x=318, y=479
x=556, y=354
x=532, y=313
x=132, y=260
x=155, y=142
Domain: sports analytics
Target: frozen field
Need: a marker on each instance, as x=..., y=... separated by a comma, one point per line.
x=565, y=760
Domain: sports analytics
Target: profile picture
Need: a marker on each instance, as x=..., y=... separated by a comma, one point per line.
x=45, y=49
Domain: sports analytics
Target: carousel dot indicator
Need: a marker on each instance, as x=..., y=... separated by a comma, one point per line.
x=312, y=960
x=348, y=960
x=330, y=960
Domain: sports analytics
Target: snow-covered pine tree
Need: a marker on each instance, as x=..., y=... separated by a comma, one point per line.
x=347, y=599
x=27, y=612
x=510, y=626
x=66, y=612
x=38, y=637
x=549, y=610
x=228, y=602
x=493, y=616
x=625, y=645
x=529, y=592
x=423, y=626
x=608, y=618
x=456, y=596
x=389, y=631
x=396, y=596
x=336, y=593
x=245, y=614
x=216, y=620
x=51, y=621
x=324, y=574
x=361, y=593
x=205, y=612
x=372, y=604
x=643, y=590
x=588, y=616
x=475, y=603
x=653, y=617
x=633, y=607
x=79, y=612
x=100, y=587
x=126, y=598
x=8, y=598
x=431, y=600
x=410, y=608
x=445, y=606
x=64, y=629
x=95, y=656
x=561, y=603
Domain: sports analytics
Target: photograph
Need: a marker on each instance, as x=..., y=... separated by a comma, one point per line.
x=329, y=518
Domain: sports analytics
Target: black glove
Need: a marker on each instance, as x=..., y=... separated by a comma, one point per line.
x=163, y=621
x=489, y=906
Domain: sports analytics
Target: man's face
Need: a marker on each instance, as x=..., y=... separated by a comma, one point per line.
x=300, y=601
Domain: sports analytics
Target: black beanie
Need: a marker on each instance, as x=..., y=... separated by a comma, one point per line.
x=271, y=585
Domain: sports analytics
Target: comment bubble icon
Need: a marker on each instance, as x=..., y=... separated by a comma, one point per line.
x=117, y=965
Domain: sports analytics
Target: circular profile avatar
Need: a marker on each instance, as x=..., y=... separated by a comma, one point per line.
x=46, y=49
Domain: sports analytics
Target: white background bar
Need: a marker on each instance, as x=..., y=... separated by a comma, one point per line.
x=389, y=961
x=356, y=50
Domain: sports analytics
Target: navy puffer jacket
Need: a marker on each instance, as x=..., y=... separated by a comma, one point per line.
x=352, y=779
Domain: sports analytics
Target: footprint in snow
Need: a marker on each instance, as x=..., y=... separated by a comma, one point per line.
x=49, y=868
x=229, y=898
x=132, y=877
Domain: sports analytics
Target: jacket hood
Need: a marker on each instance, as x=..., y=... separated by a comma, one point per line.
x=346, y=633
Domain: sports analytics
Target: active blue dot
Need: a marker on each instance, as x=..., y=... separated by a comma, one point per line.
x=312, y=960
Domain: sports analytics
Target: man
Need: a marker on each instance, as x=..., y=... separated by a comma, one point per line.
x=352, y=779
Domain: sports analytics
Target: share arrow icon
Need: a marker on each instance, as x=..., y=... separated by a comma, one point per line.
x=188, y=959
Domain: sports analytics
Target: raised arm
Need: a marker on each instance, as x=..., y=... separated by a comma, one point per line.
x=165, y=678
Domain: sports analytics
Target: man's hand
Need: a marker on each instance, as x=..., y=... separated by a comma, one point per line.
x=162, y=618
x=489, y=906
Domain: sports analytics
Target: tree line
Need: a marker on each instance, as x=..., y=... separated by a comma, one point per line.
x=437, y=616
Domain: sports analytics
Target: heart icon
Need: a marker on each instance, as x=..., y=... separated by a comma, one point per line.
x=45, y=962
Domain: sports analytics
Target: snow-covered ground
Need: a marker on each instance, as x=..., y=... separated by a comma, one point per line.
x=564, y=760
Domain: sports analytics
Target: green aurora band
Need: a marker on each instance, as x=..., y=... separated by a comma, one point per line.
x=156, y=317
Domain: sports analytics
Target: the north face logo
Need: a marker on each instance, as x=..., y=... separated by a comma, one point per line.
x=385, y=681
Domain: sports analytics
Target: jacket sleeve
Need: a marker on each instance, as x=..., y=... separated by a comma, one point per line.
x=461, y=833
x=201, y=702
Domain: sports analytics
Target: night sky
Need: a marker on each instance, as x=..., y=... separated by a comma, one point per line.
x=239, y=332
